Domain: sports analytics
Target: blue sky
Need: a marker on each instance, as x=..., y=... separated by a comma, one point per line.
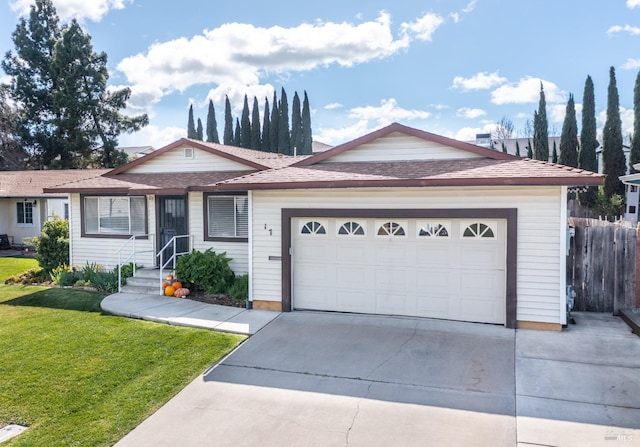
x=445, y=66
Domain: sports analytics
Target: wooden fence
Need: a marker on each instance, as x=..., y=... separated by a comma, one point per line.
x=602, y=265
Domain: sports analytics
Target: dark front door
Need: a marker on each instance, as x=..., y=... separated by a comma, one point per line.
x=172, y=221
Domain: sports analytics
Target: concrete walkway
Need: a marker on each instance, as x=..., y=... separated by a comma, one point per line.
x=184, y=312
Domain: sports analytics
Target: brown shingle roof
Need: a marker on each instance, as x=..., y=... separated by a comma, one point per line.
x=34, y=183
x=465, y=172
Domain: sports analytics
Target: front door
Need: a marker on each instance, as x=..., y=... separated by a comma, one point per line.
x=172, y=221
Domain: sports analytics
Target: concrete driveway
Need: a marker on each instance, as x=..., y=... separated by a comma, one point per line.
x=322, y=379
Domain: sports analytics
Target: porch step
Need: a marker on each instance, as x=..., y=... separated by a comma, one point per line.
x=141, y=290
x=146, y=281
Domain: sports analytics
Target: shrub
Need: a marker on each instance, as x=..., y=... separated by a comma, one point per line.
x=106, y=281
x=206, y=270
x=240, y=288
x=64, y=275
x=53, y=244
x=31, y=276
x=89, y=271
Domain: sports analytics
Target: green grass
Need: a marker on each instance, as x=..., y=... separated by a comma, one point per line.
x=13, y=265
x=78, y=377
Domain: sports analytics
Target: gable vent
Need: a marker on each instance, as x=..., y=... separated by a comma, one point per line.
x=188, y=152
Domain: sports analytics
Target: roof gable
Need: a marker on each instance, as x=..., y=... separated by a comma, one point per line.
x=401, y=143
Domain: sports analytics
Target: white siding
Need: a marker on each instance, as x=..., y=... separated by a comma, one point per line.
x=539, y=248
x=399, y=147
x=55, y=208
x=9, y=220
x=175, y=161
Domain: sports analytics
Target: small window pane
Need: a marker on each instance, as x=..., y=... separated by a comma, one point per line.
x=113, y=215
x=137, y=215
x=242, y=216
x=313, y=227
x=222, y=216
x=91, y=214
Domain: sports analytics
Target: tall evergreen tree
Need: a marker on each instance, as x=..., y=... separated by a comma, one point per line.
x=517, y=149
x=228, y=137
x=613, y=159
x=212, y=125
x=237, y=137
x=569, y=136
x=191, y=124
x=540, y=130
x=296, y=125
x=245, y=125
x=554, y=154
x=266, y=128
x=199, y=131
x=284, y=135
x=255, y=126
x=529, y=150
x=275, y=125
x=587, y=158
x=634, y=154
x=306, y=147
x=504, y=147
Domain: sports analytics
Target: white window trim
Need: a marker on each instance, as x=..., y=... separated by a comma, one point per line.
x=492, y=224
x=402, y=223
x=235, y=217
x=323, y=222
x=340, y=224
x=25, y=224
x=422, y=223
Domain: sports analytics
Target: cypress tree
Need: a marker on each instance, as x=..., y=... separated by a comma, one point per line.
x=554, y=154
x=296, y=125
x=569, y=136
x=255, y=125
x=228, y=137
x=237, y=138
x=613, y=159
x=191, y=125
x=266, y=128
x=307, y=139
x=212, y=125
x=275, y=125
x=529, y=150
x=245, y=125
x=540, y=130
x=634, y=155
x=199, y=134
x=284, y=136
x=504, y=148
x=517, y=149
x=587, y=158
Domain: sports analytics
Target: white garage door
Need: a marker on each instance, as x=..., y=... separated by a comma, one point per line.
x=438, y=268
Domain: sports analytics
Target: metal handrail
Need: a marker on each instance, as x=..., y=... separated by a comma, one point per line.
x=132, y=256
x=174, y=256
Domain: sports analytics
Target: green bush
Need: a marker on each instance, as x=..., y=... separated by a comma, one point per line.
x=206, y=271
x=611, y=207
x=240, y=288
x=106, y=281
x=53, y=244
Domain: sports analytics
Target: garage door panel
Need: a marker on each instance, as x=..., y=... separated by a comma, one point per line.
x=352, y=278
x=391, y=279
x=482, y=284
x=355, y=301
x=435, y=254
x=392, y=303
x=311, y=297
x=482, y=255
x=314, y=251
x=482, y=311
x=390, y=253
x=352, y=253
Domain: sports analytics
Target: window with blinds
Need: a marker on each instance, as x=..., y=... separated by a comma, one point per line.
x=114, y=215
x=228, y=216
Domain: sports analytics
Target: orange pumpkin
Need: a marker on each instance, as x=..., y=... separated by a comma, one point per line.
x=181, y=292
x=169, y=277
x=165, y=284
x=169, y=291
x=177, y=285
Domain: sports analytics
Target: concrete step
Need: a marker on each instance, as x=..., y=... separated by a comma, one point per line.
x=149, y=273
x=144, y=282
x=141, y=290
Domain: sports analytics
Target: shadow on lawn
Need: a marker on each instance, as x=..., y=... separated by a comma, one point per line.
x=67, y=299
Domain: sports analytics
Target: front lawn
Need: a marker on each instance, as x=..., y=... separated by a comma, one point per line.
x=15, y=264
x=79, y=377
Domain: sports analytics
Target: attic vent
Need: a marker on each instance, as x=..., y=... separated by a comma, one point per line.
x=188, y=152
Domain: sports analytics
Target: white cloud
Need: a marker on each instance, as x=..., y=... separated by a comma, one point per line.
x=626, y=117
x=94, y=10
x=152, y=136
x=466, y=112
x=556, y=112
x=341, y=135
x=633, y=30
x=455, y=17
x=472, y=4
x=478, y=81
x=333, y=106
x=238, y=55
x=424, y=27
x=527, y=90
x=631, y=64
x=633, y=3
x=387, y=112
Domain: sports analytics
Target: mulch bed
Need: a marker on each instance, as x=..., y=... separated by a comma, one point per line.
x=220, y=298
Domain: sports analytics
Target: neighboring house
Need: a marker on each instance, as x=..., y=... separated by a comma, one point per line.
x=399, y=221
x=24, y=207
x=632, y=194
x=136, y=151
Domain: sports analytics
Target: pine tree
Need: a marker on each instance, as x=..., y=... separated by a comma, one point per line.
x=255, y=125
x=306, y=147
x=613, y=159
x=275, y=125
x=228, y=137
x=266, y=128
x=634, y=154
x=284, y=135
x=587, y=158
x=212, y=125
x=296, y=125
x=569, y=136
x=245, y=125
x=237, y=137
x=554, y=154
x=191, y=125
x=517, y=149
x=199, y=131
x=540, y=130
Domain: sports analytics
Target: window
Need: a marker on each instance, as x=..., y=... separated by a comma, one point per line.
x=632, y=209
x=118, y=215
x=313, y=227
x=351, y=229
x=434, y=229
x=479, y=230
x=66, y=211
x=227, y=216
x=25, y=213
x=391, y=229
